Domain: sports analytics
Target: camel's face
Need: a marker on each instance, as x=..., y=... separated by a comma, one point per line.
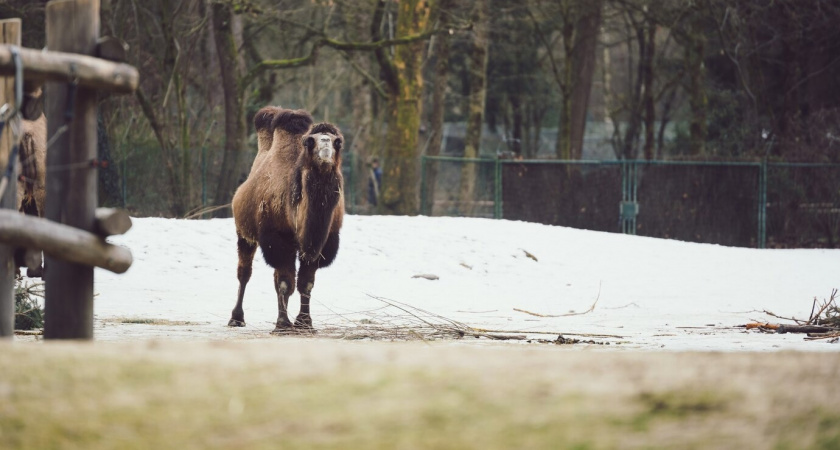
x=324, y=147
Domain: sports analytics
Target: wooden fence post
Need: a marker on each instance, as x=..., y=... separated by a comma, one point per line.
x=9, y=34
x=72, y=26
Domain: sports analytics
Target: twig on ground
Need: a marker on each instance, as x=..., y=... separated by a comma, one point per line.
x=594, y=335
x=398, y=321
x=822, y=323
x=792, y=319
x=818, y=336
x=625, y=306
x=591, y=308
x=428, y=276
x=530, y=255
x=803, y=329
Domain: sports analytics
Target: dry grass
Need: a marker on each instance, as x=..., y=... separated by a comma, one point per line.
x=398, y=321
x=313, y=393
x=148, y=321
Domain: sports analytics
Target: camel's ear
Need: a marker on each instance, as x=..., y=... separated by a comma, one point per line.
x=309, y=143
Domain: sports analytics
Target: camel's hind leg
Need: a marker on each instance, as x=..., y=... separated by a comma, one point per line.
x=279, y=252
x=246, y=252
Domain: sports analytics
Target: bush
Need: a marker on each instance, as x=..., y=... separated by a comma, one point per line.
x=28, y=312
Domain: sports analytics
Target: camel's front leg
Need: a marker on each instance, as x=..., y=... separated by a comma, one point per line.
x=284, y=284
x=306, y=281
x=279, y=252
x=246, y=252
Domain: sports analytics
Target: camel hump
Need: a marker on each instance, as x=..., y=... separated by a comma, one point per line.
x=264, y=118
x=295, y=121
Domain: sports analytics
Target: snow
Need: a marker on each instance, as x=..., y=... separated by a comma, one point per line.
x=657, y=294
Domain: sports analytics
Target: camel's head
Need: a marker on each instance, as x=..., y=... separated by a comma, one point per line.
x=323, y=143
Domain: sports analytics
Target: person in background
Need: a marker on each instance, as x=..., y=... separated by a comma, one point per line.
x=375, y=178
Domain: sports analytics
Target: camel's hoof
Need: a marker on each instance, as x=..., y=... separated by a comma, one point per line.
x=283, y=330
x=305, y=330
x=236, y=323
x=303, y=323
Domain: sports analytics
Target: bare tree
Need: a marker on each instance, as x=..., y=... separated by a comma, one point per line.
x=477, y=79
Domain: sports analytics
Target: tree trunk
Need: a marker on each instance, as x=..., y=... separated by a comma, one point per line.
x=629, y=148
x=564, y=143
x=583, y=68
x=235, y=128
x=477, y=68
x=648, y=107
x=517, y=126
x=442, y=46
x=404, y=81
x=697, y=100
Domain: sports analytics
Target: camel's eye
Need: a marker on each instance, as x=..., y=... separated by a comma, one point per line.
x=337, y=144
x=309, y=143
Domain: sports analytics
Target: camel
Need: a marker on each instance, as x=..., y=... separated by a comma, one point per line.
x=32, y=187
x=291, y=206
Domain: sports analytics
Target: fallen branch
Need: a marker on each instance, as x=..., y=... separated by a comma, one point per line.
x=792, y=319
x=769, y=326
x=591, y=308
x=822, y=323
x=593, y=335
x=818, y=336
x=397, y=321
x=206, y=210
x=782, y=329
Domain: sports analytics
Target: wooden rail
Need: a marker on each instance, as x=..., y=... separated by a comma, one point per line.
x=88, y=71
x=62, y=241
x=71, y=236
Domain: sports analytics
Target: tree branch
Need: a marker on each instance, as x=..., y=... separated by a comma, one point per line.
x=275, y=64
x=149, y=112
x=373, y=81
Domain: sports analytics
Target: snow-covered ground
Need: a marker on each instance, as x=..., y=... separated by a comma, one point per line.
x=655, y=293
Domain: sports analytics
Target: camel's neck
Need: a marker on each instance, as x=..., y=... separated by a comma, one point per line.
x=320, y=195
x=322, y=189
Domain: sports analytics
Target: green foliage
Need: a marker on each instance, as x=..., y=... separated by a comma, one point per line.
x=28, y=313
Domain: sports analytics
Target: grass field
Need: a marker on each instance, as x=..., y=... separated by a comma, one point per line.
x=314, y=393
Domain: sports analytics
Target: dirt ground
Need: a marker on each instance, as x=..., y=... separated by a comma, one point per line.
x=292, y=392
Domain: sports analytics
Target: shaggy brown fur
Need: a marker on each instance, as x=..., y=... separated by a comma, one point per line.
x=291, y=205
x=32, y=187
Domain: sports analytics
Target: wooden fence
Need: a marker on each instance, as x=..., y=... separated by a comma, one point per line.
x=72, y=234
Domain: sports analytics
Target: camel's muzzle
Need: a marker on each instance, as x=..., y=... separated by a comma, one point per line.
x=326, y=152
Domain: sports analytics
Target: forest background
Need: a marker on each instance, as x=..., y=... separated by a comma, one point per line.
x=515, y=79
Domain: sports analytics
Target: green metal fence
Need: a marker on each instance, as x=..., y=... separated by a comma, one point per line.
x=144, y=184
x=750, y=204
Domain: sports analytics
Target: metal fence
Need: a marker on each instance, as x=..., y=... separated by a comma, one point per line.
x=749, y=204
x=140, y=182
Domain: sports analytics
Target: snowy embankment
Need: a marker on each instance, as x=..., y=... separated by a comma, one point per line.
x=655, y=293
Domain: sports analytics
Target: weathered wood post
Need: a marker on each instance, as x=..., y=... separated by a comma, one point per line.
x=72, y=26
x=9, y=34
